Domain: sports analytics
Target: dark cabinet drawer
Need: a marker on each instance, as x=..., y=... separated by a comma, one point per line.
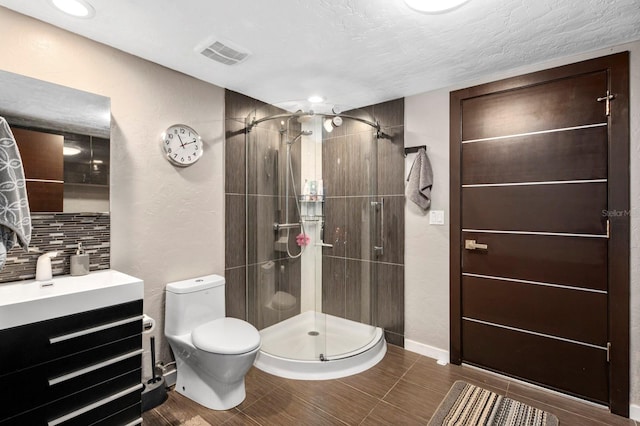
x=22, y=391
x=40, y=342
x=104, y=411
x=93, y=410
x=129, y=416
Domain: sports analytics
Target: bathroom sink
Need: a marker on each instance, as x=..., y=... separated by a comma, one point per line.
x=25, y=302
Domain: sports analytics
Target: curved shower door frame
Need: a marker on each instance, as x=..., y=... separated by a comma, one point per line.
x=266, y=144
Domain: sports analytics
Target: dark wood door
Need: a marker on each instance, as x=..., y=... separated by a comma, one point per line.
x=533, y=199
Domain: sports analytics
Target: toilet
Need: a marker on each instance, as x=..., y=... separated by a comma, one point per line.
x=213, y=353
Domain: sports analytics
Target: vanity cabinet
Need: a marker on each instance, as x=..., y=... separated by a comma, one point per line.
x=79, y=369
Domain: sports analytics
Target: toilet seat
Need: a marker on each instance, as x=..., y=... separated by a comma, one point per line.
x=227, y=336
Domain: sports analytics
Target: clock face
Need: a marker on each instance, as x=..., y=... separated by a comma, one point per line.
x=182, y=145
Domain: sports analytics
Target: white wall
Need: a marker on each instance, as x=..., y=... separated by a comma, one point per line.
x=427, y=246
x=167, y=223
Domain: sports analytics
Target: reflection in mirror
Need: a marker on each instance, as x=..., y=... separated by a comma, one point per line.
x=63, y=137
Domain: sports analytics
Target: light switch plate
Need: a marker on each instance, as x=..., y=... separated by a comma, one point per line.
x=436, y=217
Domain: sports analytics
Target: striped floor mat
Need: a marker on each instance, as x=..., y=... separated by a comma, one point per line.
x=469, y=405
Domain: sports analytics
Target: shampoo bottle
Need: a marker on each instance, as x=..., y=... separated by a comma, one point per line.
x=80, y=262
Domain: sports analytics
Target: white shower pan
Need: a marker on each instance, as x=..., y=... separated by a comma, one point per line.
x=292, y=348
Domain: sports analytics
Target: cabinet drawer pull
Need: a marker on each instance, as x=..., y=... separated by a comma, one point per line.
x=93, y=367
x=91, y=330
x=96, y=404
x=135, y=422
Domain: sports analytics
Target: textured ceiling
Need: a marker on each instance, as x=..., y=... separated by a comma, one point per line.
x=352, y=52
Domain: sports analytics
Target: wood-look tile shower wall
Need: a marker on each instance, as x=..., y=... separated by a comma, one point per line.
x=250, y=243
x=357, y=169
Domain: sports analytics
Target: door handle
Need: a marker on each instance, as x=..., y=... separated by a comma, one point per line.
x=472, y=245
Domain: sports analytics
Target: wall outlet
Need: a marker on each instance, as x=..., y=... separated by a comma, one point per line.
x=436, y=217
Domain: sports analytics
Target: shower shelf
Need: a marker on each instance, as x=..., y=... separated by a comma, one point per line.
x=312, y=209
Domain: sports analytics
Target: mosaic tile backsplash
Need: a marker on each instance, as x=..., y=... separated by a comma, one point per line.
x=61, y=232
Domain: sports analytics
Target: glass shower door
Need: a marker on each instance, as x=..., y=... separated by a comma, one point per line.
x=282, y=236
x=353, y=227
x=314, y=231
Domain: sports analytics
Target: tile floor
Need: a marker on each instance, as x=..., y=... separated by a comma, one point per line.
x=403, y=389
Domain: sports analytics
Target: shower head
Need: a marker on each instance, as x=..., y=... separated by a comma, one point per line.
x=299, y=135
x=303, y=116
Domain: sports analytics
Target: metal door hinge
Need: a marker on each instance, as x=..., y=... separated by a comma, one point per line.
x=608, y=351
x=607, y=102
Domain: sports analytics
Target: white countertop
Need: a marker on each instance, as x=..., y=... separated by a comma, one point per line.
x=24, y=302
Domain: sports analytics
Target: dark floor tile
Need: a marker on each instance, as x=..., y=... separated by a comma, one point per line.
x=403, y=389
x=415, y=400
x=282, y=408
x=397, y=361
x=427, y=373
x=240, y=419
x=378, y=380
x=335, y=398
x=375, y=382
x=257, y=385
x=387, y=414
x=178, y=409
x=153, y=418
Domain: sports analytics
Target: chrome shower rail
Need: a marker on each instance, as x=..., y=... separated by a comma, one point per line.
x=375, y=125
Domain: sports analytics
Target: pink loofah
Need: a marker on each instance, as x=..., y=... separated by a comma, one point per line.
x=303, y=239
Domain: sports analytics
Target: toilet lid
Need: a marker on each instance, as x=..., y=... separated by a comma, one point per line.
x=226, y=336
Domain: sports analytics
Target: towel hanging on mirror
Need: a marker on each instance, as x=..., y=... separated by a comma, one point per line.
x=15, y=219
x=420, y=180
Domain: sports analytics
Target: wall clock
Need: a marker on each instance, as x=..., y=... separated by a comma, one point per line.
x=182, y=145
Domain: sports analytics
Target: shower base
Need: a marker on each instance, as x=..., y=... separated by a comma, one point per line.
x=292, y=348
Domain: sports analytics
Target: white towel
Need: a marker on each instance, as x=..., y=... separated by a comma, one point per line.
x=420, y=180
x=15, y=219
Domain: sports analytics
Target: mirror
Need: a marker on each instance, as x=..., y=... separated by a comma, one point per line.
x=63, y=135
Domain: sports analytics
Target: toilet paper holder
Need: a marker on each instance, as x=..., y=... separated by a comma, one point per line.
x=148, y=324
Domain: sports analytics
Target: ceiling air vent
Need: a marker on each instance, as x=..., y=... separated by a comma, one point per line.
x=224, y=53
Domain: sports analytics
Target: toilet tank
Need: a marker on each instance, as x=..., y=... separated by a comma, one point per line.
x=193, y=302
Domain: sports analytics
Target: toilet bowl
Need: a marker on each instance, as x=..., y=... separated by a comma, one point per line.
x=213, y=353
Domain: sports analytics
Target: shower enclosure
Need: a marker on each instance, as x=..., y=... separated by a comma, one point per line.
x=312, y=205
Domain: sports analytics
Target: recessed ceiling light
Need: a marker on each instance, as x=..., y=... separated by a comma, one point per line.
x=434, y=6
x=77, y=8
x=315, y=99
